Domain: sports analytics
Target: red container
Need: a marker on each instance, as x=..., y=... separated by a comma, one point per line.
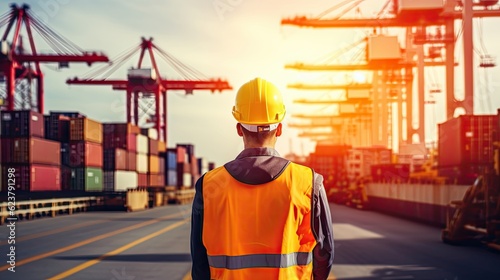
x=31, y=150
x=194, y=165
x=467, y=139
x=121, y=141
x=156, y=180
x=21, y=124
x=142, y=180
x=132, y=161
x=181, y=154
x=33, y=177
x=153, y=147
x=115, y=159
x=85, y=154
x=325, y=150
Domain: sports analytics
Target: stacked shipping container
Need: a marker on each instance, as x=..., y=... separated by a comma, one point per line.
x=465, y=146
x=120, y=156
x=83, y=156
x=156, y=163
x=35, y=160
x=360, y=160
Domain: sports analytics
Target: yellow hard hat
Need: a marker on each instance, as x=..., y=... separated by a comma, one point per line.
x=259, y=102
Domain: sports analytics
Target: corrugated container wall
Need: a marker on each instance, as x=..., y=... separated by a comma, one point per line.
x=33, y=177
x=85, y=154
x=131, y=161
x=30, y=150
x=115, y=159
x=142, y=144
x=87, y=179
x=142, y=163
x=171, y=158
x=120, y=180
x=21, y=124
x=85, y=129
x=467, y=139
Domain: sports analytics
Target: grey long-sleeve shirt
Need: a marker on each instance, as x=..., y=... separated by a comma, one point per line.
x=258, y=166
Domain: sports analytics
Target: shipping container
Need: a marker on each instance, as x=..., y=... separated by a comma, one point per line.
x=85, y=154
x=120, y=129
x=189, y=150
x=202, y=166
x=181, y=154
x=187, y=180
x=65, y=178
x=171, y=177
x=154, y=164
x=21, y=124
x=57, y=128
x=32, y=177
x=465, y=174
x=211, y=166
x=466, y=140
x=87, y=179
x=115, y=159
x=156, y=180
x=162, y=146
x=85, y=129
x=68, y=114
x=171, y=159
x=131, y=161
x=194, y=165
x=142, y=163
x=142, y=179
x=153, y=146
x=142, y=144
x=120, y=180
x=120, y=141
x=30, y=150
x=150, y=133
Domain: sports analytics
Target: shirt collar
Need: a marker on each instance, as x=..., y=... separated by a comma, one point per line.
x=252, y=152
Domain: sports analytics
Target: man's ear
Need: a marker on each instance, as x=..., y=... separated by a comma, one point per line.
x=278, y=130
x=239, y=129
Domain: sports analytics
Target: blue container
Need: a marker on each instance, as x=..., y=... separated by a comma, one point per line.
x=171, y=160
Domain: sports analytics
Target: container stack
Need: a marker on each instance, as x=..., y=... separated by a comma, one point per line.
x=170, y=157
x=120, y=156
x=211, y=165
x=465, y=147
x=35, y=160
x=202, y=165
x=83, y=156
x=184, y=176
x=331, y=162
x=142, y=160
x=156, y=163
x=361, y=159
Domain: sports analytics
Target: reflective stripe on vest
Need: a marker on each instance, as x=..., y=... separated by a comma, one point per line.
x=260, y=260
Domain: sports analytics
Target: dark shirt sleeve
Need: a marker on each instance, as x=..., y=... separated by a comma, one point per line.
x=200, y=269
x=322, y=229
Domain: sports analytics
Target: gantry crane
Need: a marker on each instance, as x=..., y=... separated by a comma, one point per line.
x=144, y=84
x=440, y=17
x=392, y=83
x=20, y=67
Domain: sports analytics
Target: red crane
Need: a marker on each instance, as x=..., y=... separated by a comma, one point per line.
x=143, y=84
x=20, y=67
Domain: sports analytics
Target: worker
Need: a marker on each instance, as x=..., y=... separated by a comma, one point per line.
x=260, y=216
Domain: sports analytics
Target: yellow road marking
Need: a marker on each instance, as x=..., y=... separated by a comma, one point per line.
x=88, y=241
x=90, y=263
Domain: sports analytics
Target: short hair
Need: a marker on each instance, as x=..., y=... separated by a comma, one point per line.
x=258, y=137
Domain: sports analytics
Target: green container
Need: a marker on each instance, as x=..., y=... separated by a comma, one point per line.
x=87, y=179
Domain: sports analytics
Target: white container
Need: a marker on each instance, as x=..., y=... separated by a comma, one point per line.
x=120, y=180
x=187, y=180
x=142, y=144
x=142, y=73
x=142, y=163
x=381, y=47
x=125, y=180
x=152, y=133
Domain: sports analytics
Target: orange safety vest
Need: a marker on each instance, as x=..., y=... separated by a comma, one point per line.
x=259, y=231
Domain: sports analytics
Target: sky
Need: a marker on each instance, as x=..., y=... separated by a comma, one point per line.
x=236, y=40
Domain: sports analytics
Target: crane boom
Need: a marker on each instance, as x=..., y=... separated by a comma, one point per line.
x=330, y=87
